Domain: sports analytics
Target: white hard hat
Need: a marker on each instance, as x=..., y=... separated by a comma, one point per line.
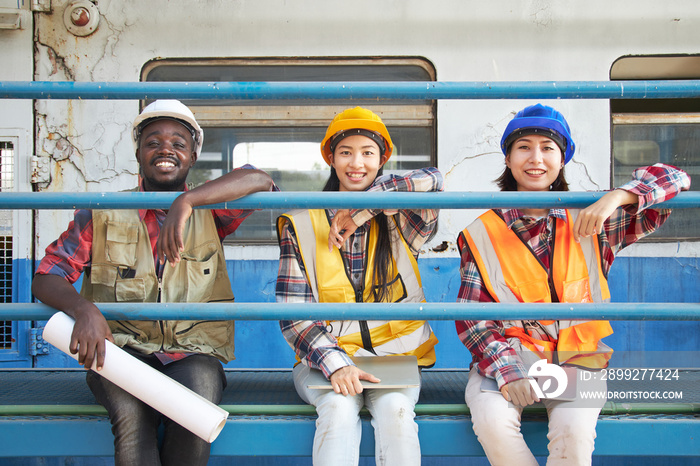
x=172, y=109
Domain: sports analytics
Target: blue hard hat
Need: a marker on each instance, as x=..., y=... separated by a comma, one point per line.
x=544, y=120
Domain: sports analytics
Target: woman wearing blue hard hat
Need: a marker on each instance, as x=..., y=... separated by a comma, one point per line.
x=547, y=255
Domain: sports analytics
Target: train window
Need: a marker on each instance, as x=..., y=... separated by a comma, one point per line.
x=6, y=184
x=283, y=137
x=646, y=131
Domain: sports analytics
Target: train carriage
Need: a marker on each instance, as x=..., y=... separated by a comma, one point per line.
x=67, y=145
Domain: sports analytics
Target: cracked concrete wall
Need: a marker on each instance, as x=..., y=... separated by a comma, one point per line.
x=513, y=40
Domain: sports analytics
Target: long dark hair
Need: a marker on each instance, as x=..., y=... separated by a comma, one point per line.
x=383, y=255
x=506, y=182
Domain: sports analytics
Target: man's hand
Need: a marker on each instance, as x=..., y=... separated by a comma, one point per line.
x=519, y=392
x=342, y=227
x=170, y=242
x=346, y=380
x=90, y=330
x=89, y=335
x=591, y=219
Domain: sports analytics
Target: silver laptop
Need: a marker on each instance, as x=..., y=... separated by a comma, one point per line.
x=393, y=371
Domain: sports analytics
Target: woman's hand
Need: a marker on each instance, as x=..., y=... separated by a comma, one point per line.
x=346, y=380
x=342, y=227
x=591, y=219
x=519, y=392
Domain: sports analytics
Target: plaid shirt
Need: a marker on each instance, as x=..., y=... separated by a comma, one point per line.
x=71, y=253
x=485, y=339
x=313, y=344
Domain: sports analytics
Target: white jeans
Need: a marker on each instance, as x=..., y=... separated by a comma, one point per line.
x=497, y=426
x=339, y=429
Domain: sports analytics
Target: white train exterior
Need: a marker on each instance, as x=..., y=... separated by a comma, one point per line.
x=60, y=145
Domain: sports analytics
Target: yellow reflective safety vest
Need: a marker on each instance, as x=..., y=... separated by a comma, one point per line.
x=512, y=273
x=327, y=276
x=123, y=270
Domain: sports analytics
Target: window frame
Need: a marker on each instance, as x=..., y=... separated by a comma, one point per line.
x=655, y=113
x=316, y=114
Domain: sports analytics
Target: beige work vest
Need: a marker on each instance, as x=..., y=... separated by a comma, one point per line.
x=123, y=270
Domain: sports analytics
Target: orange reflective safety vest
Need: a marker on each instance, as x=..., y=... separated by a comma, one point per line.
x=327, y=276
x=512, y=273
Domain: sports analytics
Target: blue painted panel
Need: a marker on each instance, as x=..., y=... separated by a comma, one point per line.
x=18, y=355
x=260, y=343
x=655, y=279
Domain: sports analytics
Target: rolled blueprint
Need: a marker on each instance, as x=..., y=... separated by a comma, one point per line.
x=193, y=412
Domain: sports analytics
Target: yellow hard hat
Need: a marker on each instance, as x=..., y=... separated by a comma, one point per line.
x=355, y=118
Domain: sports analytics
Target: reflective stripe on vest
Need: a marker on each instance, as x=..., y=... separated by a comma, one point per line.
x=327, y=277
x=512, y=273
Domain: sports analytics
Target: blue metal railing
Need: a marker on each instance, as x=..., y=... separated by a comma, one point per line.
x=289, y=200
x=352, y=90
x=449, y=200
x=370, y=311
x=337, y=200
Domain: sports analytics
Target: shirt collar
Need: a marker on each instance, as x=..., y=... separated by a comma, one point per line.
x=510, y=216
x=143, y=212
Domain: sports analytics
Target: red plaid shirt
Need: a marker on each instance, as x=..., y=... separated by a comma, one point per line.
x=485, y=339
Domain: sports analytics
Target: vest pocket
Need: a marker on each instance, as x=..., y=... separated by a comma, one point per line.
x=101, y=274
x=205, y=337
x=201, y=265
x=577, y=291
x=397, y=289
x=132, y=289
x=120, y=244
x=334, y=295
x=535, y=291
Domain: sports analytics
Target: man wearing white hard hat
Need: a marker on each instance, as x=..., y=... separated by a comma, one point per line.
x=153, y=256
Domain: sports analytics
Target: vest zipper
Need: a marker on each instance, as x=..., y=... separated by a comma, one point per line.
x=160, y=288
x=550, y=272
x=359, y=295
x=160, y=291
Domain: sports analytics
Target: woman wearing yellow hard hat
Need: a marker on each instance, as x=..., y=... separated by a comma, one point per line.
x=347, y=256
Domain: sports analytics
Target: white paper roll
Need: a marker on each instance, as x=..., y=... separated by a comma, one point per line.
x=193, y=412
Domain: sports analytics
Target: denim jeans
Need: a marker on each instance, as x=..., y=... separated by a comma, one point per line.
x=135, y=424
x=339, y=429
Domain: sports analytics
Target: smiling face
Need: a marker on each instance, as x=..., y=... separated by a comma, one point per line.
x=356, y=160
x=165, y=155
x=535, y=162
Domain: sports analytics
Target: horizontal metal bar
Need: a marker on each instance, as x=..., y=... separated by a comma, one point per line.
x=270, y=436
x=421, y=409
x=316, y=200
x=417, y=90
x=370, y=311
